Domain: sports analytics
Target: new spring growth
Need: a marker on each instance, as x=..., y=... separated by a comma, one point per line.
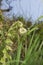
x=22, y=31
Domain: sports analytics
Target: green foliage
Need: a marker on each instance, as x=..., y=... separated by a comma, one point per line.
x=20, y=44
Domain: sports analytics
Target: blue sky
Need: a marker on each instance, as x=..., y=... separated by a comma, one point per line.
x=26, y=8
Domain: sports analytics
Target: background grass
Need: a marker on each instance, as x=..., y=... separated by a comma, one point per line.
x=21, y=42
